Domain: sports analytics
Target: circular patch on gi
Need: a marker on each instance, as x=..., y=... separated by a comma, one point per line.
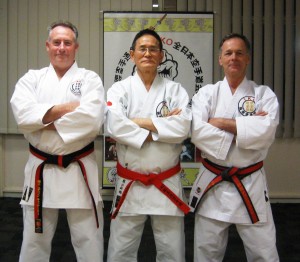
x=162, y=109
x=76, y=87
x=247, y=106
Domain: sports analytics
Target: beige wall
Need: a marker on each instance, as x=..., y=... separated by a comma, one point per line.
x=23, y=26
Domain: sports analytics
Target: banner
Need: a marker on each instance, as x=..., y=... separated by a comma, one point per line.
x=188, y=48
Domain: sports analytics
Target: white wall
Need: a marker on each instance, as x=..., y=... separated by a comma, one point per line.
x=23, y=26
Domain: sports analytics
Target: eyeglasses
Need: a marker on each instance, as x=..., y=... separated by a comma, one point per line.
x=151, y=50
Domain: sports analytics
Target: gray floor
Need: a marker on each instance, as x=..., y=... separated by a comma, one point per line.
x=286, y=216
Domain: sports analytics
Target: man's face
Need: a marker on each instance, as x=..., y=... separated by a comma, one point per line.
x=147, y=55
x=234, y=58
x=61, y=47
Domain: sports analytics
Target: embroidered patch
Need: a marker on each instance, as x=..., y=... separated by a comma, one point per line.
x=162, y=109
x=247, y=106
x=76, y=87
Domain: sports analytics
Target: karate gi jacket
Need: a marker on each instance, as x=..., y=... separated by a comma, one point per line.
x=255, y=134
x=35, y=93
x=129, y=99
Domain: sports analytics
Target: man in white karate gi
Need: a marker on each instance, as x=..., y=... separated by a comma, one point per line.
x=234, y=124
x=60, y=110
x=149, y=118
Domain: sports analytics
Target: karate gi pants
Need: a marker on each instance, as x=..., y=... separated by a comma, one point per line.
x=126, y=233
x=211, y=237
x=86, y=238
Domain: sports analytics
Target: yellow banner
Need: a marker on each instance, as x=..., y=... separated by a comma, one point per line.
x=127, y=24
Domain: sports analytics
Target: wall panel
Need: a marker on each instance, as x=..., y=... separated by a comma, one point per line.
x=126, y=5
x=105, y=5
x=217, y=74
x=258, y=41
x=226, y=7
x=289, y=70
x=85, y=31
x=247, y=26
x=12, y=55
x=4, y=92
x=22, y=37
x=43, y=23
x=279, y=58
x=297, y=70
x=95, y=54
x=53, y=9
x=237, y=16
x=268, y=57
x=33, y=34
x=63, y=10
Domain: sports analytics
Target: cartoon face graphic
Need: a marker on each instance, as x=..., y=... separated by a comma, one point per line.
x=168, y=67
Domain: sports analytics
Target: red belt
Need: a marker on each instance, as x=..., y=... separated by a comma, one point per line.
x=234, y=175
x=150, y=179
x=62, y=161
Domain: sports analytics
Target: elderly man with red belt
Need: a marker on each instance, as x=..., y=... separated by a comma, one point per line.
x=148, y=116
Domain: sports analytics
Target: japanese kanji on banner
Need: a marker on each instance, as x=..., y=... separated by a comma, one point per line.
x=188, y=47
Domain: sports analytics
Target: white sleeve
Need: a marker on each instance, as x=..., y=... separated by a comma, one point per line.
x=258, y=132
x=119, y=126
x=28, y=112
x=176, y=128
x=206, y=137
x=87, y=119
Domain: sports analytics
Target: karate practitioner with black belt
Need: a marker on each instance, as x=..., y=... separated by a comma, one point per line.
x=60, y=110
x=234, y=124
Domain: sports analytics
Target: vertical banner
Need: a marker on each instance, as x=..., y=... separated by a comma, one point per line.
x=188, y=48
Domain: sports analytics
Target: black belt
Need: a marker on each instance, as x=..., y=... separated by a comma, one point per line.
x=234, y=175
x=62, y=161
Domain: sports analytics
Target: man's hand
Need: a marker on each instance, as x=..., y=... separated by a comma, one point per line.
x=58, y=111
x=174, y=112
x=262, y=113
x=50, y=127
x=145, y=123
x=226, y=124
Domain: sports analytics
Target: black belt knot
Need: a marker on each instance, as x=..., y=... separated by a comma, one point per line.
x=53, y=159
x=234, y=175
x=225, y=175
x=62, y=161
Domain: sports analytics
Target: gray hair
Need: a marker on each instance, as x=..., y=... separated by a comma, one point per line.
x=64, y=24
x=236, y=35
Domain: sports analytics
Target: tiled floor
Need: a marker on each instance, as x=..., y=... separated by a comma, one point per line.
x=286, y=216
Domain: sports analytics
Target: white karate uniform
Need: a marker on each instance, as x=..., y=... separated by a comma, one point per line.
x=35, y=93
x=129, y=99
x=255, y=134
